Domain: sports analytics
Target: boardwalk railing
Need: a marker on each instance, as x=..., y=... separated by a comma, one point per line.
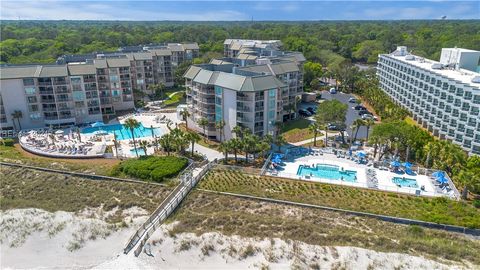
x=265, y=165
x=187, y=181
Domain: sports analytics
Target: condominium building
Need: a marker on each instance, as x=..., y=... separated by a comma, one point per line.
x=85, y=88
x=254, y=86
x=444, y=97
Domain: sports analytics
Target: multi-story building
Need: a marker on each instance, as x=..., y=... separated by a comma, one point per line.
x=254, y=86
x=443, y=97
x=216, y=93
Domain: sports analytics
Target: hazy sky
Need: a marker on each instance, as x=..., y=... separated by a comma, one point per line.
x=236, y=10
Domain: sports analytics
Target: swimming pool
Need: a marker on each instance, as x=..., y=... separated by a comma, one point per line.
x=328, y=172
x=123, y=133
x=140, y=152
x=405, y=182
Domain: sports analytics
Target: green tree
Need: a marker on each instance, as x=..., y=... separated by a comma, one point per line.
x=131, y=124
x=315, y=128
x=203, y=122
x=311, y=71
x=185, y=114
x=193, y=138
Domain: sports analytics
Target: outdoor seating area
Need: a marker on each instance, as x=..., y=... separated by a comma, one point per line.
x=60, y=143
x=357, y=168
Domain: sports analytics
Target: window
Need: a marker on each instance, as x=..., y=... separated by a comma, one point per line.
x=28, y=82
x=76, y=80
x=32, y=99
x=30, y=90
x=35, y=116
x=33, y=108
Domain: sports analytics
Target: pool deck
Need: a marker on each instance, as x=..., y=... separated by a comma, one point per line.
x=384, y=177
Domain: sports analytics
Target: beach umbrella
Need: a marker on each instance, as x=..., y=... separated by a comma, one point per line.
x=407, y=164
x=361, y=154
x=395, y=163
x=59, y=132
x=98, y=124
x=441, y=179
x=438, y=173
x=100, y=132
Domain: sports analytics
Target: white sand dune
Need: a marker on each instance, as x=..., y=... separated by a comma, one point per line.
x=37, y=239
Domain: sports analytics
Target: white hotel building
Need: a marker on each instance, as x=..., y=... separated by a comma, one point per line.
x=443, y=97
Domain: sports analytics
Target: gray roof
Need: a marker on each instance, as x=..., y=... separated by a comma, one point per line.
x=175, y=47
x=243, y=56
x=234, y=81
x=257, y=69
x=118, y=62
x=18, y=72
x=53, y=71
x=191, y=46
x=161, y=52
x=81, y=69
x=192, y=72
x=285, y=67
x=100, y=63
x=219, y=62
x=142, y=56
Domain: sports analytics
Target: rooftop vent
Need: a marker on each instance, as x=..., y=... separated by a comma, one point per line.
x=437, y=66
x=409, y=57
x=476, y=79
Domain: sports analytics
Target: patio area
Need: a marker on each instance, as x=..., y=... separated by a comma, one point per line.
x=327, y=165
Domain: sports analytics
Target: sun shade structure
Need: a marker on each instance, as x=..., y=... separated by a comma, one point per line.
x=438, y=174
x=395, y=163
x=441, y=179
x=407, y=165
x=361, y=154
x=98, y=124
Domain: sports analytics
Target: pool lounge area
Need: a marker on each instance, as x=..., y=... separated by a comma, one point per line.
x=322, y=165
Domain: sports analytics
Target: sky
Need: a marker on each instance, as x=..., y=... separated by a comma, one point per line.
x=236, y=10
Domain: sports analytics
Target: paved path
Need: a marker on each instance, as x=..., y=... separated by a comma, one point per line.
x=319, y=138
x=210, y=153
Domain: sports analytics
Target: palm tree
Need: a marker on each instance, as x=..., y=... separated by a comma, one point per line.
x=278, y=125
x=279, y=141
x=368, y=124
x=225, y=148
x=166, y=143
x=115, y=144
x=132, y=124
x=143, y=145
x=356, y=126
x=203, y=122
x=219, y=126
x=185, y=114
x=157, y=89
x=192, y=137
x=236, y=145
x=314, y=127
x=238, y=130
x=17, y=115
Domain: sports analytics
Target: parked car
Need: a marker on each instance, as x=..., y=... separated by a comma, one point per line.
x=311, y=110
x=352, y=100
x=333, y=90
x=367, y=116
x=332, y=126
x=304, y=113
x=359, y=107
x=362, y=112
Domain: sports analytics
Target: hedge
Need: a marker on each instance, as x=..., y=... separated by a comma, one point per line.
x=153, y=168
x=8, y=142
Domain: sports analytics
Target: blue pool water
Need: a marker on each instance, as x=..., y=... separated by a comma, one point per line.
x=405, y=182
x=140, y=152
x=122, y=132
x=328, y=172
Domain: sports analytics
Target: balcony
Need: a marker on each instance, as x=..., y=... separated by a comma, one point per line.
x=243, y=119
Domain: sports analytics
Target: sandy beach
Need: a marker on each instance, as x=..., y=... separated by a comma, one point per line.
x=37, y=239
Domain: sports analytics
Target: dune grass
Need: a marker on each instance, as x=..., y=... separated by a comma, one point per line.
x=25, y=188
x=206, y=212
x=439, y=210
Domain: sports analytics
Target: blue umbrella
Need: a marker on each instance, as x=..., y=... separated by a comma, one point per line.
x=276, y=160
x=438, y=173
x=442, y=179
x=361, y=154
x=98, y=124
x=407, y=164
x=395, y=163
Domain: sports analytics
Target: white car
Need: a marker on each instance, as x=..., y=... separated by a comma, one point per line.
x=333, y=90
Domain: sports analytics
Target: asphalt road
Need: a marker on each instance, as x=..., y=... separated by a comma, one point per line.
x=352, y=114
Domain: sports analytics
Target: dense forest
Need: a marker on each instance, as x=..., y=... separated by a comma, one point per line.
x=324, y=42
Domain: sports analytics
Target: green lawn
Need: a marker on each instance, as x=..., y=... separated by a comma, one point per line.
x=440, y=210
x=297, y=130
x=175, y=99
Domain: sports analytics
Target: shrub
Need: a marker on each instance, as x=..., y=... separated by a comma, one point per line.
x=8, y=142
x=476, y=203
x=153, y=168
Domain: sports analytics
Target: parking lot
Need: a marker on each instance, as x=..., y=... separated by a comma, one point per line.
x=351, y=116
